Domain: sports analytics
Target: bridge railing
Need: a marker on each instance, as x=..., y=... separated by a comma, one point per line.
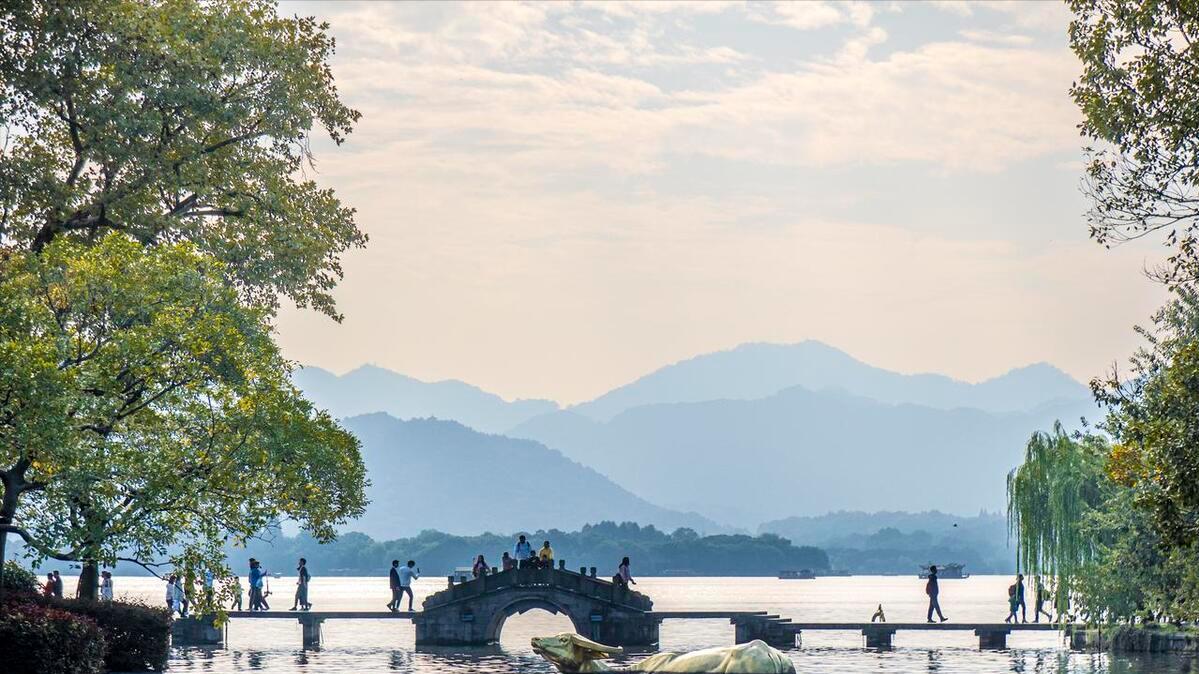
x=558, y=578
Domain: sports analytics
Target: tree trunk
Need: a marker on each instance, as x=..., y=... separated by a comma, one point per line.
x=89, y=581
x=3, y=542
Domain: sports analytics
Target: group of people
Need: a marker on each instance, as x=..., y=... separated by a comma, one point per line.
x=53, y=586
x=1017, y=608
x=1015, y=598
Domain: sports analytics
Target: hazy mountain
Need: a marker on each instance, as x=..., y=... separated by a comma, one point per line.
x=899, y=542
x=431, y=474
x=758, y=370
x=374, y=389
x=803, y=452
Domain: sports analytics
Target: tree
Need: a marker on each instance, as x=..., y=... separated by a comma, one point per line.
x=175, y=120
x=1050, y=496
x=1155, y=413
x=175, y=421
x=1137, y=94
x=169, y=122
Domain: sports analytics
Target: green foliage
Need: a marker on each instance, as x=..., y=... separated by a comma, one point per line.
x=1155, y=414
x=1137, y=95
x=175, y=120
x=167, y=414
x=653, y=552
x=40, y=640
x=1050, y=496
x=18, y=580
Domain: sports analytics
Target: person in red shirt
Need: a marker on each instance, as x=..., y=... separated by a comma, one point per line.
x=48, y=588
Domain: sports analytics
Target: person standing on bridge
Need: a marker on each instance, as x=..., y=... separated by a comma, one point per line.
x=523, y=552
x=257, y=603
x=480, y=568
x=933, y=590
x=1042, y=596
x=506, y=562
x=623, y=577
x=545, y=556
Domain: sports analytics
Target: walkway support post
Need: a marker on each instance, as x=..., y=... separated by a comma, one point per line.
x=879, y=636
x=992, y=638
x=311, y=627
x=196, y=631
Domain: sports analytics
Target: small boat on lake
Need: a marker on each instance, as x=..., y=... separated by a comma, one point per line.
x=802, y=574
x=950, y=571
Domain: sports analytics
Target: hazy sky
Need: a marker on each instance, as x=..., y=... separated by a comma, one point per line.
x=562, y=197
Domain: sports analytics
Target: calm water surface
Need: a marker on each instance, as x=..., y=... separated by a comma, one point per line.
x=368, y=646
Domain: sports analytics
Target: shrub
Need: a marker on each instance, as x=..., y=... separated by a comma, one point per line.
x=18, y=579
x=137, y=636
x=41, y=640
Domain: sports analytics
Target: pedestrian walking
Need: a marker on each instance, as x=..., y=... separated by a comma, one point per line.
x=1020, y=598
x=1042, y=597
x=407, y=574
x=170, y=594
x=237, y=592
x=57, y=584
x=105, y=586
x=933, y=590
x=1013, y=602
x=302, y=578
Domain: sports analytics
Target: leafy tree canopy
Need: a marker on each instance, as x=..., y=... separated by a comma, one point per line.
x=174, y=120
x=160, y=410
x=1138, y=95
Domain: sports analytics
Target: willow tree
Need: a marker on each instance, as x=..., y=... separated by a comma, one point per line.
x=1050, y=497
x=167, y=122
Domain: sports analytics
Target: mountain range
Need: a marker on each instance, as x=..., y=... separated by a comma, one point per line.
x=434, y=474
x=758, y=432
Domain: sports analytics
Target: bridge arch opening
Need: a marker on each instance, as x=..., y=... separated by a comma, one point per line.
x=515, y=624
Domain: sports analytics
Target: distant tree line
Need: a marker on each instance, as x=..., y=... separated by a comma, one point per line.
x=653, y=552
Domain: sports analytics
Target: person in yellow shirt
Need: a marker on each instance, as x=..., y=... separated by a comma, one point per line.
x=545, y=556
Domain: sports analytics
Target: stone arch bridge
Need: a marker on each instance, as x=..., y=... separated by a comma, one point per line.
x=474, y=612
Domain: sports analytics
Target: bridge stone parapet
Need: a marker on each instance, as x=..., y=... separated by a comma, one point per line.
x=473, y=613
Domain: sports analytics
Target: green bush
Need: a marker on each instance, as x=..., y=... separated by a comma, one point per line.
x=42, y=640
x=18, y=579
x=137, y=636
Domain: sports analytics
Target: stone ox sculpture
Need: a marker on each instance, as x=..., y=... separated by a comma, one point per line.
x=577, y=655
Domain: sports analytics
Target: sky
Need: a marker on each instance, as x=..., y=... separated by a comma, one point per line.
x=563, y=197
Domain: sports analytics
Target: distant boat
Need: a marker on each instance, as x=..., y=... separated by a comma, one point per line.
x=802, y=574
x=276, y=574
x=950, y=571
x=839, y=573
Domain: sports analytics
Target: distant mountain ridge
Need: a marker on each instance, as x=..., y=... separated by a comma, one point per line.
x=745, y=372
x=758, y=370
x=433, y=474
x=374, y=389
x=803, y=452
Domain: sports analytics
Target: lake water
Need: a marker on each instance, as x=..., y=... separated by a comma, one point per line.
x=368, y=646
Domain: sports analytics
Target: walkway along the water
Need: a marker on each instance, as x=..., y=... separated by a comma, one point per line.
x=473, y=614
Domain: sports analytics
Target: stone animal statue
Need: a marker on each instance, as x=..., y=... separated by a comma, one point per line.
x=574, y=654
x=879, y=616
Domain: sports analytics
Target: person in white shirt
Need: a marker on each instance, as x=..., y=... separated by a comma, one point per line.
x=523, y=552
x=407, y=573
x=105, y=586
x=170, y=595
